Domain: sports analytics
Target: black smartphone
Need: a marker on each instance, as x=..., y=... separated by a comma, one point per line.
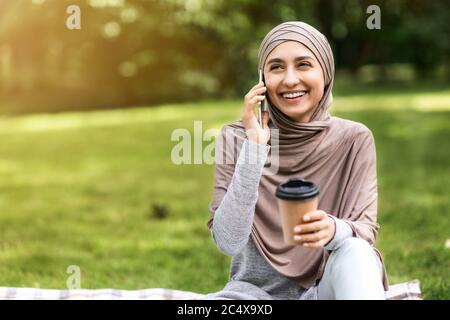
x=261, y=104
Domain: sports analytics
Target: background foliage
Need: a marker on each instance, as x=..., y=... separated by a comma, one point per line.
x=133, y=52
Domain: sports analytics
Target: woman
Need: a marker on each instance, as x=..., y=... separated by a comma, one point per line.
x=334, y=257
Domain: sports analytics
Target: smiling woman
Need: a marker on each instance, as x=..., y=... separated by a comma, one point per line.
x=294, y=80
x=332, y=256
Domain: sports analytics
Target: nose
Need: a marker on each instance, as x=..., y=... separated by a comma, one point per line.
x=291, y=78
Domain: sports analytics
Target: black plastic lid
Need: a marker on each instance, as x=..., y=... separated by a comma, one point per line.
x=297, y=189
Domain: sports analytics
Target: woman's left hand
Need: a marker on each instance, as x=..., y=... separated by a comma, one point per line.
x=316, y=230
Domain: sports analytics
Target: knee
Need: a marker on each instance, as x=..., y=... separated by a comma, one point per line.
x=356, y=260
x=355, y=246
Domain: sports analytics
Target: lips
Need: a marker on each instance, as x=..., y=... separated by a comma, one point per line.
x=293, y=97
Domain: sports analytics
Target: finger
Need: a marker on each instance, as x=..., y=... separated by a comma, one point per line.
x=317, y=244
x=248, y=111
x=259, y=84
x=315, y=226
x=256, y=90
x=314, y=215
x=250, y=102
x=311, y=237
x=259, y=90
x=254, y=100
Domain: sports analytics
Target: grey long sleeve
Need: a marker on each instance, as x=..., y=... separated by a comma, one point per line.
x=233, y=219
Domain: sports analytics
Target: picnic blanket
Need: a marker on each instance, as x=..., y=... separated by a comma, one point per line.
x=402, y=291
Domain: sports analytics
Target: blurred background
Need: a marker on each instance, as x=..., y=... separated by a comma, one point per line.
x=140, y=52
x=86, y=118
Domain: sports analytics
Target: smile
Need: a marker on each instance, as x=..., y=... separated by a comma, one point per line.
x=293, y=97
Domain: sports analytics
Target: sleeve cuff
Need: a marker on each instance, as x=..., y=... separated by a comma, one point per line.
x=342, y=232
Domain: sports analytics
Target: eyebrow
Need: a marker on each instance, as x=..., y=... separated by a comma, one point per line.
x=295, y=60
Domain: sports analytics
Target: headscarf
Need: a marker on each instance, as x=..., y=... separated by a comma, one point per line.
x=336, y=154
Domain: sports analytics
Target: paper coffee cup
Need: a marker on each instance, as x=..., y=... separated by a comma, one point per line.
x=295, y=198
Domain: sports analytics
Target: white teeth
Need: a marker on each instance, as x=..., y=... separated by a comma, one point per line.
x=293, y=95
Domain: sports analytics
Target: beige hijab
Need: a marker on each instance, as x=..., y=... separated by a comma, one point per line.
x=338, y=155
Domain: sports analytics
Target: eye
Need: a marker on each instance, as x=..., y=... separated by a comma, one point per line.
x=275, y=67
x=304, y=64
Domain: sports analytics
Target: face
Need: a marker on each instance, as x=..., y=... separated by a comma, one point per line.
x=294, y=80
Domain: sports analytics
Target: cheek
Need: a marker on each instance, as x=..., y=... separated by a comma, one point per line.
x=317, y=84
x=271, y=88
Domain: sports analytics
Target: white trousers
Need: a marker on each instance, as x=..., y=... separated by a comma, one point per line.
x=353, y=272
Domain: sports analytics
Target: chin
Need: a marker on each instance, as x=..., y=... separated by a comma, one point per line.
x=294, y=115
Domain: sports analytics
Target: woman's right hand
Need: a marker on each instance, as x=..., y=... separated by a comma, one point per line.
x=255, y=132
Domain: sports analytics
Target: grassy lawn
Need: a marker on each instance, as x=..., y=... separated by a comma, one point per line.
x=79, y=188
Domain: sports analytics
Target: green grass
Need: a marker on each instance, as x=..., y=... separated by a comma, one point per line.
x=78, y=189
